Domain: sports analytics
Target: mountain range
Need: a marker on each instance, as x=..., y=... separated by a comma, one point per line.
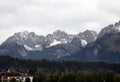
x=59, y=45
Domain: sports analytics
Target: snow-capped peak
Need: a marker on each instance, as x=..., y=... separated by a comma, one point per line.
x=22, y=34
x=109, y=29
x=88, y=35
x=31, y=41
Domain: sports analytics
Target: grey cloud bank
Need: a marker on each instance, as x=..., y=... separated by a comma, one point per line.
x=72, y=16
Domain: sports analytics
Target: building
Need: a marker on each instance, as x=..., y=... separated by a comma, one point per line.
x=17, y=76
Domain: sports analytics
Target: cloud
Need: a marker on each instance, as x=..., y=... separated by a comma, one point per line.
x=111, y=6
x=72, y=16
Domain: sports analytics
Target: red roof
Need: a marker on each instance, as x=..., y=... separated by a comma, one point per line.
x=10, y=74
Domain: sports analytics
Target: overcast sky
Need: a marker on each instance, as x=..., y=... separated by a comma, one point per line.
x=46, y=16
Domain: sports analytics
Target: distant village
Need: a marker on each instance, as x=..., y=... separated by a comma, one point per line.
x=12, y=75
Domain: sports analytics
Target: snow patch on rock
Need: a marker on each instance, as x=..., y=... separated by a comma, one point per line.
x=28, y=48
x=83, y=42
x=55, y=42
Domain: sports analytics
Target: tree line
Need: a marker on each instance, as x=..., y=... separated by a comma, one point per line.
x=63, y=71
x=80, y=76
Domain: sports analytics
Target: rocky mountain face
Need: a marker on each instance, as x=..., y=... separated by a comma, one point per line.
x=106, y=48
x=89, y=36
x=110, y=29
x=58, y=44
x=30, y=41
x=13, y=49
x=33, y=42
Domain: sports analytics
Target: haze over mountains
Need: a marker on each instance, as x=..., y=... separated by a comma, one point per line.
x=59, y=45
